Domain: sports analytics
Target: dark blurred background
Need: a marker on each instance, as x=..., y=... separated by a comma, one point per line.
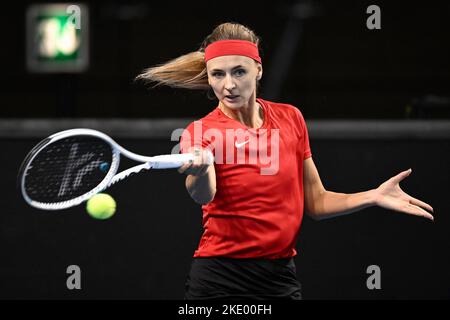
x=376, y=102
x=333, y=65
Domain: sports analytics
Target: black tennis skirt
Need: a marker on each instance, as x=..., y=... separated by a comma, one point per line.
x=217, y=278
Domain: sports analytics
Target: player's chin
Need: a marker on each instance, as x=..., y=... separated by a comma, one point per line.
x=235, y=103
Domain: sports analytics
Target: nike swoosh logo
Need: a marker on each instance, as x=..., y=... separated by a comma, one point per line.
x=238, y=145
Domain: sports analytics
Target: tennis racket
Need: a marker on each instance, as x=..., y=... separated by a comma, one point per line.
x=71, y=166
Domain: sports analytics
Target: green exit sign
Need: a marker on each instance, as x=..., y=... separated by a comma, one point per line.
x=57, y=38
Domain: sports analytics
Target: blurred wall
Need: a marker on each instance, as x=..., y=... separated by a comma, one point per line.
x=144, y=251
x=339, y=68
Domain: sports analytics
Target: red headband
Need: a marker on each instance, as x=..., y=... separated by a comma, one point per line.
x=232, y=47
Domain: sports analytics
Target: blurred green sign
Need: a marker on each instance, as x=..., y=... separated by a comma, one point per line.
x=57, y=38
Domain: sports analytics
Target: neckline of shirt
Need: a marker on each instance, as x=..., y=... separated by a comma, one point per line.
x=265, y=120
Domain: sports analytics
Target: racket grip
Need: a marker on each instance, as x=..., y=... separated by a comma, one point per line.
x=171, y=160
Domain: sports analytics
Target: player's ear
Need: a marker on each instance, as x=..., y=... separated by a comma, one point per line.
x=260, y=71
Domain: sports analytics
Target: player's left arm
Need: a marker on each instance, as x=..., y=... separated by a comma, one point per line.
x=321, y=203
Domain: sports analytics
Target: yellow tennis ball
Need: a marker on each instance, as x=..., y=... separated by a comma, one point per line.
x=101, y=206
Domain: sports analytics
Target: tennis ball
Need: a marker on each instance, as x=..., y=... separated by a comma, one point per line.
x=101, y=206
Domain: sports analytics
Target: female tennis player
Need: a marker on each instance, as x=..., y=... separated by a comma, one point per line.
x=263, y=178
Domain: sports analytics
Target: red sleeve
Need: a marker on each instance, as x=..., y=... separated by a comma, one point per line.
x=304, y=135
x=193, y=135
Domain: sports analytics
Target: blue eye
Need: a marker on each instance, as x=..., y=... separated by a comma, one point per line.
x=240, y=72
x=217, y=74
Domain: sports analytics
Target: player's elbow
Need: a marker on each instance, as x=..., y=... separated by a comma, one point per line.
x=203, y=202
x=314, y=216
x=313, y=205
x=202, y=189
x=203, y=199
x=201, y=194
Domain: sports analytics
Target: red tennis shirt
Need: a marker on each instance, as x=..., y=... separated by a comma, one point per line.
x=258, y=206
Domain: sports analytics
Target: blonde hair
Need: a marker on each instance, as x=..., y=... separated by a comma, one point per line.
x=189, y=70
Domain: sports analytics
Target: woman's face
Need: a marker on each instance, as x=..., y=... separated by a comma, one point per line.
x=233, y=79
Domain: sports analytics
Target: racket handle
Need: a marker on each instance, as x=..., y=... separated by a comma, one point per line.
x=171, y=160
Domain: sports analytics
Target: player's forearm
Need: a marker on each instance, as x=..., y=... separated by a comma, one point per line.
x=202, y=188
x=332, y=204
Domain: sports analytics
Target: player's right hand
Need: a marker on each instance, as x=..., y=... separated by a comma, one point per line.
x=203, y=159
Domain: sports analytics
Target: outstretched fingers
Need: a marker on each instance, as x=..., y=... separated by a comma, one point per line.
x=422, y=204
x=418, y=211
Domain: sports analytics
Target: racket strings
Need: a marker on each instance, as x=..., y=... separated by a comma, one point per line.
x=67, y=169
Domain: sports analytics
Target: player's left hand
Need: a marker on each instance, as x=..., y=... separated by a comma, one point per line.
x=389, y=195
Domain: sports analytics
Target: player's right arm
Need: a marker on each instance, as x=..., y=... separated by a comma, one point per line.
x=201, y=179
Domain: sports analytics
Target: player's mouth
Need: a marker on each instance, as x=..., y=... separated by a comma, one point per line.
x=231, y=98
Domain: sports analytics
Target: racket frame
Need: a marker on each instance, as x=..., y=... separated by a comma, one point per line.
x=156, y=162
